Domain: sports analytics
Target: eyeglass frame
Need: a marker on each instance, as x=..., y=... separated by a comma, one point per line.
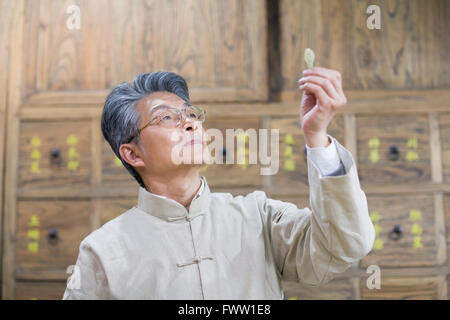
x=180, y=117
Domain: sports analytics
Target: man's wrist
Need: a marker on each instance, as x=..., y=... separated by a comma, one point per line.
x=317, y=140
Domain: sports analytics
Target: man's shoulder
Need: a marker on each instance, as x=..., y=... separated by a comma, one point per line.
x=112, y=230
x=254, y=199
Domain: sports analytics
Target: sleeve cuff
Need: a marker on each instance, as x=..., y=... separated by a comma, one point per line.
x=325, y=158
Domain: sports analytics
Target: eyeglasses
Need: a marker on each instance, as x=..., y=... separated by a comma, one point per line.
x=170, y=117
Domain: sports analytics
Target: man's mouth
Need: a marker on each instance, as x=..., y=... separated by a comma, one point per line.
x=192, y=142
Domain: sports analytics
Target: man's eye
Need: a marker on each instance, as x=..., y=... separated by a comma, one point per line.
x=166, y=117
x=193, y=115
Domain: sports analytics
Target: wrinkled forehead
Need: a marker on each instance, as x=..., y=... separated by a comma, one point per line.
x=158, y=100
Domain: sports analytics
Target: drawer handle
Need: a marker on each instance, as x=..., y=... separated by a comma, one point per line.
x=55, y=156
x=396, y=233
x=224, y=155
x=394, y=153
x=52, y=235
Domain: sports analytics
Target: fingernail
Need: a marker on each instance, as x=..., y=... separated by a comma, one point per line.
x=306, y=71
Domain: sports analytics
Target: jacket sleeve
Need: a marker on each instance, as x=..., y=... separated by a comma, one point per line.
x=312, y=245
x=88, y=280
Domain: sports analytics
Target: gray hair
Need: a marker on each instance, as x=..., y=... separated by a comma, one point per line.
x=120, y=120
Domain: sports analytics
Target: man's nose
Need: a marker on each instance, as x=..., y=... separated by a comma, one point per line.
x=189, y=124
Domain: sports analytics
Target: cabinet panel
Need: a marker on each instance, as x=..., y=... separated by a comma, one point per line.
x=337, y=289
x=406, y=52
x=405, y=232
x=444, y=125
x=49, y=234
x=219, y=47
x=407, y=288
x=393, y=149
x=231, y=173
x=112, y=208
x=40, y=290
x=292, y=176
x=54, y=154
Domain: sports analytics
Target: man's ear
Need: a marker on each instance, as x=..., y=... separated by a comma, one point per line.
x=131, y=154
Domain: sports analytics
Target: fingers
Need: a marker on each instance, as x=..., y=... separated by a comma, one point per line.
x=324, y=83
x=319, y=92
x=329, y=80
x=332, y=75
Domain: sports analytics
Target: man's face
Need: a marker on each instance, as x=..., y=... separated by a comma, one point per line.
x=163, y=148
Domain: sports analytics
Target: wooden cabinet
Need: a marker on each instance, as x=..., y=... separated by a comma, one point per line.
x=337, y=289
x=49, y=234
x=403, y=288
x=219, y=47
x=57, y=170
x=404, y=53
x=393, y=148
x=53, y=154
x=235, y=146
x=40, y=290
x=293, y=171
x=405, y=231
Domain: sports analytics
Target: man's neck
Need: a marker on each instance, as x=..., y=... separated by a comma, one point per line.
x=181, y=188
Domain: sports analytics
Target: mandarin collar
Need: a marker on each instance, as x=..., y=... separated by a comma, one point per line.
x=169, y=209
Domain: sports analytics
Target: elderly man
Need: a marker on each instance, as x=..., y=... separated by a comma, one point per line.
x=181, y=241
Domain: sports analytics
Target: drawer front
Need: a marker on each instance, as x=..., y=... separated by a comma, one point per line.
x=404, y=288
x=40, y=290
x=293, y=172
x=337, y=289
x=393, y=149
x=49, y=234
x=447, y=222
x=112, y=208
x=444, y=125
x=54, y=154
x=233, y=174
x=405, y=233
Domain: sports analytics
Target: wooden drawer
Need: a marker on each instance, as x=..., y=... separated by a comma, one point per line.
x=49, y=234
x=404, y=288
x=447, y=223
x=405, y=230
x=293, y=172
x=393, y=148
x=40, y=290
x=54, y=154
x=232, y=175
x=444, y=125
x=337, y=289
x=112, y=208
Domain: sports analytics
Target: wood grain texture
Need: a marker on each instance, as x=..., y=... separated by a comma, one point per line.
x=409, y=51
x=394, y=158
x=71, y=221
x=444, y=133
x=396, y=211
x=296, y=177
x=403, y=288
x=56, y=173
x=15, y=37
x=40, y=290
x=5, y=20
x=218, y=47
x=337, y=289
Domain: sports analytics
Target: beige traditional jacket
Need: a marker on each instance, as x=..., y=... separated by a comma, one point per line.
x=227, y=247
